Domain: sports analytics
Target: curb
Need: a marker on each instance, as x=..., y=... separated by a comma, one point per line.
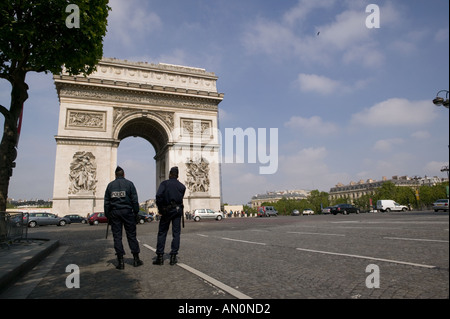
x=18, y=269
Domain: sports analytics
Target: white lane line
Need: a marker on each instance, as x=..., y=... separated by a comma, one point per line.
x=367, y=257
x=149, y=247
x=211, y=280
x=418, y=239
x=306, y=233
x=243, y=241
x=215, y=282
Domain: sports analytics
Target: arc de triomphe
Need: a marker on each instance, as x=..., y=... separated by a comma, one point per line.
x=175, y=108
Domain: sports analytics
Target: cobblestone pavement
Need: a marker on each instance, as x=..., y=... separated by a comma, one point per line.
x=287, y=257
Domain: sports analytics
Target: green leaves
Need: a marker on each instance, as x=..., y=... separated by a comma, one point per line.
x=35, y=37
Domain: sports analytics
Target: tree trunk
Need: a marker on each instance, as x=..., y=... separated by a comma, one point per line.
x=8, y=151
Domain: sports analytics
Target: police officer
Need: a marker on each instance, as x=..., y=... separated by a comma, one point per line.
x=169, y=199
x=121, y=208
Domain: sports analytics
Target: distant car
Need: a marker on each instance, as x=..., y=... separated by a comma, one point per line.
x=145, y=218
x=308, y=211
x=200, y=214
x=387, y=205
x=76, y=219
x=440, y=204
x=97, y=218
x=267, y=211
x=295, y=212
x=326, y=210
x=41, y=219
x=343, y=209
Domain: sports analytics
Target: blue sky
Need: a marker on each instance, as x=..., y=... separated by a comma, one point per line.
x=350, y=103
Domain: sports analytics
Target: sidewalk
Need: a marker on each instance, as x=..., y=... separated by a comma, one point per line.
x=20, y=257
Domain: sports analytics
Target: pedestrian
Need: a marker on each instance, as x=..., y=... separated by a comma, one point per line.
x=121, y=207
x=169, y=199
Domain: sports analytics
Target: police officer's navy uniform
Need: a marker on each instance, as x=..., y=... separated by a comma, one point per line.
x=121, y=206
x=169, y=199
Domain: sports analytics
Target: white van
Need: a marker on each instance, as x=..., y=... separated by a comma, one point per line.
x=387, y=205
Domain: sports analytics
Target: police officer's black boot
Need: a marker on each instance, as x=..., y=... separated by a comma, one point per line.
x=137, y=262
x=173, y=259
x=120, y=263
x=159, y=260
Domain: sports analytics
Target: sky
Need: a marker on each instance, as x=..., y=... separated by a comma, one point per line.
x=348, y=102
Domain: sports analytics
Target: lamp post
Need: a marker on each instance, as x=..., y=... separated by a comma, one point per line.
x=440, y=100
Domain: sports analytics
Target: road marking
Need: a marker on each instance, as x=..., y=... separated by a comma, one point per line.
x=211, y=280
x=243, y=241
x=305, y=233
x=367, y=257
x=215, y=282
x=418, y=239
x=202, y=235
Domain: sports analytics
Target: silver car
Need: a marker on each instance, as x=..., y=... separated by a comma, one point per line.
x=41, y=219
x=440, y=204
x=207, y=214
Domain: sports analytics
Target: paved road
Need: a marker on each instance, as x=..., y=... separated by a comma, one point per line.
x=406, y=255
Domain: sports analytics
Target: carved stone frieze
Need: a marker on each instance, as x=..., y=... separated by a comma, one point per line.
x=132, y=96
x=197, y=175
x=88, y=120
x=122, y=112
x=196, y=127
x=83, y=173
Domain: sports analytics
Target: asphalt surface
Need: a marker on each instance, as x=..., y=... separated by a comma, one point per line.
x=365, y=256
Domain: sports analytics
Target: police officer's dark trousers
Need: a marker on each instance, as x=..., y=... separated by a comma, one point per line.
x=173, y=216
x=124, y=218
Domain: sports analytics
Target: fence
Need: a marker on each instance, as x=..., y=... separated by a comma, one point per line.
x=13, y=227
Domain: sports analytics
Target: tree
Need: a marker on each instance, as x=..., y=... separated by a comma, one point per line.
x=43, y=36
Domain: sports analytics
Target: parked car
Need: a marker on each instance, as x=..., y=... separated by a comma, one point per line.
x=206, y=214
x=326, y=210
x=76, y=219
x=97, y=218
x=267, y=211
x=144, y=217
x=308, y=211
x=295, y=212
x=387, y=205
x=343, y=209
x=440, y=204
x=41, y=219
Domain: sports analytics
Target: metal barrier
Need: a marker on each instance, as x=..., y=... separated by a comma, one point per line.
x=14, y=227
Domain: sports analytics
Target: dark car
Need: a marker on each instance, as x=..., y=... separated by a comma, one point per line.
x=41, y=219
x=97, y=218
x=343, y=209
x=76, y=219
x=144, y=217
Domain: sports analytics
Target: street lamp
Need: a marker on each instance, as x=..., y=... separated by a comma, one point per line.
x=440, y=100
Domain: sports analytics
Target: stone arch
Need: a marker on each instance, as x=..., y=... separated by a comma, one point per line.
x=160, y=103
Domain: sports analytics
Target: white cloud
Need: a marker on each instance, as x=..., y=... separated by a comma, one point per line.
x=313, y=125
x=421, y=135
x=345, y=39
x=128, y=22
x=387, y=144
x=395, y=112
x=317, y=83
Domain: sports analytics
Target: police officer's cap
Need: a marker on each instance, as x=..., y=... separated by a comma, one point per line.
x=118, y=169
x=174, y=170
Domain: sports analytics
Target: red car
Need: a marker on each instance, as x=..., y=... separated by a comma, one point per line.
x=97, y=218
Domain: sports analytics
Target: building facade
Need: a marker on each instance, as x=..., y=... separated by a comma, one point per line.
x=355, y=190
